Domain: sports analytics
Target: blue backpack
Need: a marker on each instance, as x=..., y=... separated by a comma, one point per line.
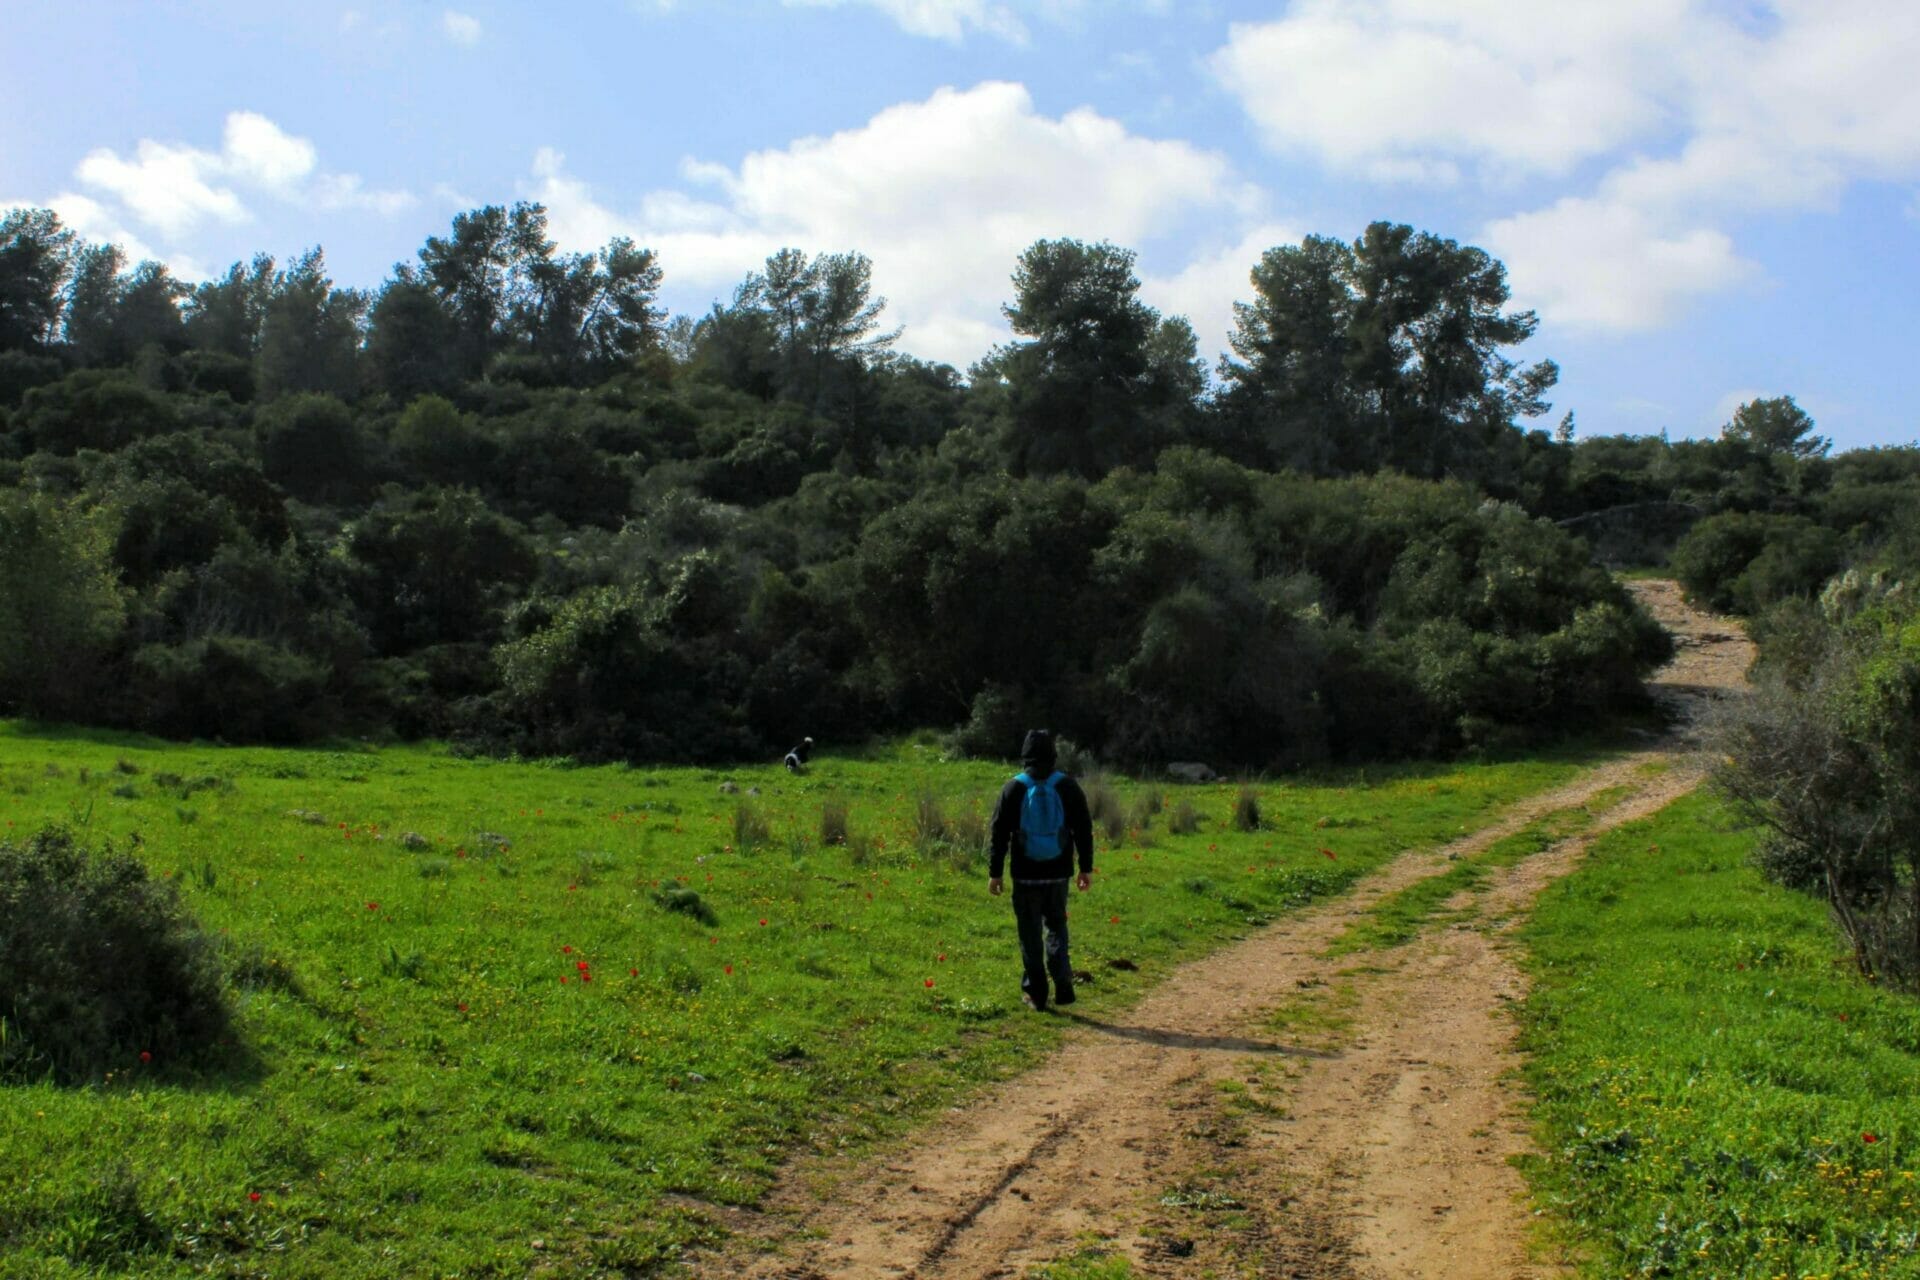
x=1043, y=819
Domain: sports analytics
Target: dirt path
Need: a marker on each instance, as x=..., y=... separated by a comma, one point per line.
x=1369, y=1138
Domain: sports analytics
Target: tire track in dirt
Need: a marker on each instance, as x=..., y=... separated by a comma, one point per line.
x=1392, y=1157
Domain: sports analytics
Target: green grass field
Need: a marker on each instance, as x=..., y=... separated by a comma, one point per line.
x=489, y=1049
x=1719, y=1094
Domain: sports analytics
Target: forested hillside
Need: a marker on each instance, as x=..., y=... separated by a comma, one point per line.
x=506, y=499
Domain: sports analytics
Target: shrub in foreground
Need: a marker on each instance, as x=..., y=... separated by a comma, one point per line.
x=101, y=966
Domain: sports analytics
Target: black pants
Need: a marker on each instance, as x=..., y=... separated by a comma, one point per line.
x=1040, y=912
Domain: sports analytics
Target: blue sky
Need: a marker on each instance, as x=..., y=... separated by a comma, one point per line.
x=1705, y=200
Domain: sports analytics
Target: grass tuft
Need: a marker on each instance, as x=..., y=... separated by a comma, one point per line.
x=1246, y=809
x=751, y=829
x=833, y=821
x=1185, y=819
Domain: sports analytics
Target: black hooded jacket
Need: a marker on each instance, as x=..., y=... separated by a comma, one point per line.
x=1037, y=758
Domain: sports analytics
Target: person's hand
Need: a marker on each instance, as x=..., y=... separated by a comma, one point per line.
x=1085, y=882
x=994, y=886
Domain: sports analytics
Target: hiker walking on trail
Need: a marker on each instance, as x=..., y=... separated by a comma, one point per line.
x=1043, y=820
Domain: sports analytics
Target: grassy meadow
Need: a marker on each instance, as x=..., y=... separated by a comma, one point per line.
x=506, y=1018
x=1719, y=1094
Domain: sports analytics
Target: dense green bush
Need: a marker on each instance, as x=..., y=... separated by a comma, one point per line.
x=1744, y=562
x=1825, y=760
x=101, y=966
x=233, y=688
x=92, y=409
x=60, y=605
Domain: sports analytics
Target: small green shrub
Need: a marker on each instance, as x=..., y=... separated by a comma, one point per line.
x=1246, y=810
x=591, y=865
x=100, y=964
x=1185, y=820
x=687, y=902
x=407, y=968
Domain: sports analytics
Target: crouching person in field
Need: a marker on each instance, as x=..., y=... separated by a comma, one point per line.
x=1043, y=821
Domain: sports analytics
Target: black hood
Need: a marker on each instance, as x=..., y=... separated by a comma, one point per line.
x=1036, y=753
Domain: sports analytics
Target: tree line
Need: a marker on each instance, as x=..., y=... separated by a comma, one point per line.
x=505, y=498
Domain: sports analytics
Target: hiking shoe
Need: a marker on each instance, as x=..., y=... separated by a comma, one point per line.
x=1064, y=997
x=1038, y=1006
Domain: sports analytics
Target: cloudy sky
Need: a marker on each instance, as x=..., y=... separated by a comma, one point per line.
x=1705, y=200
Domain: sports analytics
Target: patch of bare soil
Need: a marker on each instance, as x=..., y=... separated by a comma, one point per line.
x=1371, y=1138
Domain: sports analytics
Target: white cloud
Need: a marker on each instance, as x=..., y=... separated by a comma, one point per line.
x=259, y=151
x=173, y=188
x=94, y=221
x=1205, y=290
x=461, y=28
x=1702, y=112
x=348, y=191
x=942, y=194
x=939, y=19
x=1392, y=88
x=953, y=20
x=1606, y=265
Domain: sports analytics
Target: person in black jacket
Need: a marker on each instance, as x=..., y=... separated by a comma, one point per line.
x=1043, y=821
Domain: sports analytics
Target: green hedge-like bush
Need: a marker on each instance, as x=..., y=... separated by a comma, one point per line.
x=101, y=966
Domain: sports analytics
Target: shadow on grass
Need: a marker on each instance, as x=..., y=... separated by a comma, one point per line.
x=231, y=1068
x=1187, y=1040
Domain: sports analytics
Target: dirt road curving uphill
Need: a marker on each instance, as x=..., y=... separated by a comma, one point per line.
x=1371, y=1139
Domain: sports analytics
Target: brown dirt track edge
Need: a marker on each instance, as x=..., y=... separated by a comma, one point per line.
x=1270, y=1110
